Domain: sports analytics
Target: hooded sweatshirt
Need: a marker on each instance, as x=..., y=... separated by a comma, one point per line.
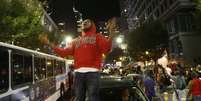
x=87, y=49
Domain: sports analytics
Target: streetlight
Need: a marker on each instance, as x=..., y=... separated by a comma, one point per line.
x=123, y=46
x=119, y=40
x=68, y=39
x=147, y=52
x=61, y=23
x=125, y=10
x=66, y=42
x=147, y=55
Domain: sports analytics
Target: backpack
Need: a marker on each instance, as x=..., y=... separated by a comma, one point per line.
x=180, y=83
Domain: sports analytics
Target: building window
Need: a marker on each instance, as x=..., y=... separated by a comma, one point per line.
x=172, y=48
x=161, y=9
x=175, y=48
x=149, y=10
x=172, y=25
x=156, y=3
x=185, y=23
x=157, y=13
x=139, y=2
x=153, y=4
x=171, y=1
x=165, y=6
x=180, y=48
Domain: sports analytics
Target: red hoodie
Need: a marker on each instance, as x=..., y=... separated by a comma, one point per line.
x=87, y=49
x=196, y=87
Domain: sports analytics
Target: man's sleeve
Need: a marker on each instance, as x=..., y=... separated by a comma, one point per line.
x=104, y=44
x=63, y=52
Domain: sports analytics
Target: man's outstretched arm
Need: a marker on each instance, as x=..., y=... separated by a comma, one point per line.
x=105, y=44
x=63, y=52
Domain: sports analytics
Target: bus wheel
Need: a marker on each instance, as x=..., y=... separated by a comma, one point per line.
x=62, y=89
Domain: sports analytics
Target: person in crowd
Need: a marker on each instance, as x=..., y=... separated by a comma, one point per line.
x=125, y=94
x=199, y=70
x=164, y=79
x=180, y=85
x=87, y=51
x=149, y=84
x=194, y=88
x=180, y=81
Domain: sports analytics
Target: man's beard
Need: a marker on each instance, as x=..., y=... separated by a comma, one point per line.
x=87, y=29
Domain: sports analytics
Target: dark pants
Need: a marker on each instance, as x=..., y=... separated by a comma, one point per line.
x=87, y=82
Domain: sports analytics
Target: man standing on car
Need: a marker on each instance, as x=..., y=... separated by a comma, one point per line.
x=87, y=51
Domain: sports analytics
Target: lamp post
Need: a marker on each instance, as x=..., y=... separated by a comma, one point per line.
x=67, y=40
x=122, y=44
x=119, y=40
x=146, y=57
x=147, y=52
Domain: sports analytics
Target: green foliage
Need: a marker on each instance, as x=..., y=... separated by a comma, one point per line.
x=114, y=55
x=20, y=22
x=149, y=36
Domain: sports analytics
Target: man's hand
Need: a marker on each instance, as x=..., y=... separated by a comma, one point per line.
x=112, y=27
x=43, y=38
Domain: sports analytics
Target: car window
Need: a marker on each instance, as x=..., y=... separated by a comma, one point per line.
x=137, y=95
x=122, y=94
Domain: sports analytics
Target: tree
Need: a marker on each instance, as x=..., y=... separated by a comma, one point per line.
x=20, y=22
x=151, y=37
x=114, y=55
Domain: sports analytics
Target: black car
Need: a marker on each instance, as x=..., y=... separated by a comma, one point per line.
x=115, y=88
x=118, y=88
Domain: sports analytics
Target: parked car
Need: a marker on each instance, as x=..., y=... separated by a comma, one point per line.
x=118, y=88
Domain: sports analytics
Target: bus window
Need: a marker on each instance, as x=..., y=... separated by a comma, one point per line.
x=28, y=69
x=3, y=71
x=57, y=69
x=43, y=68
x=63, y=67
x=49, y=64
x=40, y=70
x=37, y=68
x=20, y=73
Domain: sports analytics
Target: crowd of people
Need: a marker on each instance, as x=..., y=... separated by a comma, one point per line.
x=182, y=81
x=87, y=50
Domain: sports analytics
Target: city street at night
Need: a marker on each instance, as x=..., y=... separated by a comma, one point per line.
x=100, y=50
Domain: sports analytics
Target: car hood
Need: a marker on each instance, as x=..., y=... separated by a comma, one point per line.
x=115, y=82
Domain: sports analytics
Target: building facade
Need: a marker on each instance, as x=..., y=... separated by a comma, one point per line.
x=79, y=19
x=48, y=24
x=177, y=15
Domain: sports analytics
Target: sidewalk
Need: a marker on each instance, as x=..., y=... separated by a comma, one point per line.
x=165, y=96
x=169, y=95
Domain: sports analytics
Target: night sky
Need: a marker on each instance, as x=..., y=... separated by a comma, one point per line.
x=98, y=10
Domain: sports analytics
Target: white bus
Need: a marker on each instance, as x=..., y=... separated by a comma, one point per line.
x=28, y=75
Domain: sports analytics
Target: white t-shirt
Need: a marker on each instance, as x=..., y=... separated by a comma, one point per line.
x=86, y=69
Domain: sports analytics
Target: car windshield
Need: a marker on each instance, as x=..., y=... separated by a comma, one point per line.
x=122, y=94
